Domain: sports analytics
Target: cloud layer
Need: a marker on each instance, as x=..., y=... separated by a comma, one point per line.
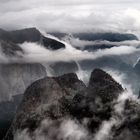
x=71, y=15
x=36, y=53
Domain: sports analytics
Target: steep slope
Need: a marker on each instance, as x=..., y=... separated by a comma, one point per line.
x=65, y=99
x=101, y=85
x=30, y=35
x=14, y=79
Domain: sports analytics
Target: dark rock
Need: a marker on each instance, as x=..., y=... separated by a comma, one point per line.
x=8, y=111
x=104, y=86
x=57, y=98
x=42, y=99
x=131, y=121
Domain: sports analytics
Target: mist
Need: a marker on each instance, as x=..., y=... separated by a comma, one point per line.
x=37, y=53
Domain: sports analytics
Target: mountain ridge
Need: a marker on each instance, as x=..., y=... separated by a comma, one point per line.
x=57, y=98
x=30, y=35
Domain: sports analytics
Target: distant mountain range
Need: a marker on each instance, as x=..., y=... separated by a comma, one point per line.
x=109, y=36
x=97, y=40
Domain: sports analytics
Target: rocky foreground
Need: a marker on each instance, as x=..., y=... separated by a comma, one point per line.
x=63, y=108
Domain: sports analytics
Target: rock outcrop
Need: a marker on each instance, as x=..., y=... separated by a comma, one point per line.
x=57, y=100
x=103, y=86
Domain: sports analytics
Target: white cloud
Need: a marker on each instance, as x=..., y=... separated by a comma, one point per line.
x=37, y=53
x=71, y=16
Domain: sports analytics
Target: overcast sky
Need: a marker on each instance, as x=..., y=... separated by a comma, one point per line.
x=71, y=15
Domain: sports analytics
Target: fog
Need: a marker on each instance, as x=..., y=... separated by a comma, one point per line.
x=37, y=53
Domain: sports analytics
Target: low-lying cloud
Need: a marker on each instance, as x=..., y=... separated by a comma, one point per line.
x=82, y=43
x=37, y=53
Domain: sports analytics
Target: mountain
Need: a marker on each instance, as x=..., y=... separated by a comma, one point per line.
x=8, y=111
x=30, y=35
x=109, y=36
x=50, y=104
x=93, y=41
x=113, y=37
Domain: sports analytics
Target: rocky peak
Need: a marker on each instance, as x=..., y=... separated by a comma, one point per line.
x=70, y=82
x=103, y=86
x=42, y=99
x=57, y=98
x=100, y=78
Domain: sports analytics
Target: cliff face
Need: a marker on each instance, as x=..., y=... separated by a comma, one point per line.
x=16, y=77
x=64, y=108
x=102, y=85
